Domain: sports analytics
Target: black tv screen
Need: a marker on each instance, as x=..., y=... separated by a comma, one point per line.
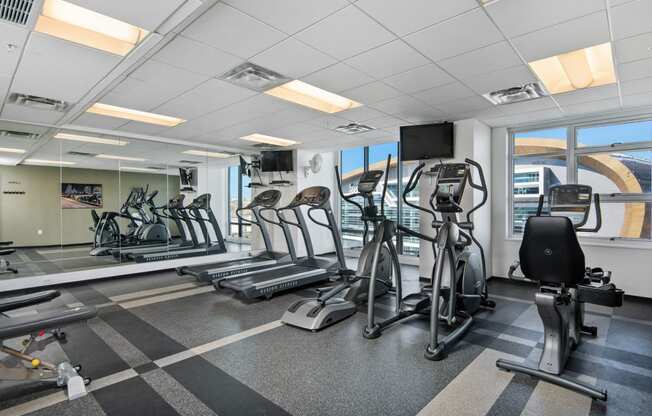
x=276, y=161
x=428, y=141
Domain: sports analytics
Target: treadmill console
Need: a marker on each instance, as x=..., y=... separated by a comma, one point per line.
x=203, y=201
x=267, y=199
x=451, y=181
x=369, y=180
x=176, y=202
x=314, y=196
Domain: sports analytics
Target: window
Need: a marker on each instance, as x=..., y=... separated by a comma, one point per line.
x=614, y=159
x=239, y=196
x=357, y=160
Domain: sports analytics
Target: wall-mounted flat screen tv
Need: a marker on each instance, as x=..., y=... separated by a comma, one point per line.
x=427, y=141
x=276, y=161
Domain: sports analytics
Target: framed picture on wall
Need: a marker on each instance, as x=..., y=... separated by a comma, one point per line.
x=81, y=195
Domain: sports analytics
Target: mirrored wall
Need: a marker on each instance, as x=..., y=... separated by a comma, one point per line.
x=75, y=201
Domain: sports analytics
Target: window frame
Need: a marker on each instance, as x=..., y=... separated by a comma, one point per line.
x=571, y=153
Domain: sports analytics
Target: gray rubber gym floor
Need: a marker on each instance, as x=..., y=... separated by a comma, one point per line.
x=162, y=345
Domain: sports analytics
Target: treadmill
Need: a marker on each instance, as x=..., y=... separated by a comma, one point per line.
x=169, y=211
x=188, y=214
x=304, y=271
x=184, y=225
x=262, y=202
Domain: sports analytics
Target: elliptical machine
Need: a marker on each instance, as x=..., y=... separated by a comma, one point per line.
x=458, y=286
x=551, y=255
x=5, y=266
x=378, y=258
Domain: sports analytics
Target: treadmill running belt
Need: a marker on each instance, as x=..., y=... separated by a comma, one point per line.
x=268, y=282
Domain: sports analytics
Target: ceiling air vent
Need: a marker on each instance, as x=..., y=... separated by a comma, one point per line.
x=81, y=154
x=23, y=135
x=516, y=94
x=353, y=128
x=254, y=77
x=15, y=11
x=190, y=162
x=41, y=103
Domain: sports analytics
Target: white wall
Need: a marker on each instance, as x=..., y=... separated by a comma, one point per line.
x=321, y=237
x=630, y=265
x=472, y=140
x=213, y=180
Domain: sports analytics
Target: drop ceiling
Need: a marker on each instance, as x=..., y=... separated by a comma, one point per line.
x=406, y=62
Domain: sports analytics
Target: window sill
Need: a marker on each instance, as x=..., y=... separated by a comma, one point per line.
x=604, y=242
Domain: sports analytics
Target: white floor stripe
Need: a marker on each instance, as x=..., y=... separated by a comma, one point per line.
x=474, y=390
x=201, y=349
x=152, y=292
x=170, y=296
x=63, y=250
x=35, y=405
x=549, y=399
x=112, y=379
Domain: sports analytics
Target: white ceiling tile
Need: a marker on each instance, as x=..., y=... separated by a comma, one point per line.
x=419, y=79
x=293, y=59
x=142, y=128
x=232, y=31
x=452, y=38
x=338, y=78
x=371, y=93
x=55, y=68
x=402, y=18
x=30, y=114
x=209, y=96
x=148, y=14
x=634, y=48
x=515, y=17
x=587, y=94
x=444, y=93
x=389, y=59
x=328, y=122
x=636, y=86
x=196, y=57
x=465, y=105
x=504, y=78
x=345, y=33
x=528, y=106
x=386, y=122
x=631, y=18
x=97, y=121
x=479, y=114
x=360, y=114
x=592, y=107
x=578, y=33
x=531, y=117
x=637, y=100
x=488, y=59
x=290, y=16
x=635, y=70
x=14, y=35
x=298, y=131
x=409, y=109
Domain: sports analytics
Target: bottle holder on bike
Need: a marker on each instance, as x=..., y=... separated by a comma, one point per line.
x=605, y=295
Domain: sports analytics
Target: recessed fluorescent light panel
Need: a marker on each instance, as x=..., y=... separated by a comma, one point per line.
x=140, y=169
x=114, y=157
x=262, y=138
x=583, y=68
x=516, y=94
x=90, y=139
x=11, y=150
x=204, y=153
x=134, y=115
x=49, y=162
x=76, y=24
x=310, y=96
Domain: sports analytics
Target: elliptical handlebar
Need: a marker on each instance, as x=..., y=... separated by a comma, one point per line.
x=382, y=197
x=482, y=187
x=347, y=197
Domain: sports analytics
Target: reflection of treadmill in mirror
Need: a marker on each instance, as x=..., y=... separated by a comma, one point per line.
x=265, y=201
x=305, y=271
x=192, y=212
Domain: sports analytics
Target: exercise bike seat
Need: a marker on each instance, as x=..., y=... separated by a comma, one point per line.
x=15, y=302
x=22, y=325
